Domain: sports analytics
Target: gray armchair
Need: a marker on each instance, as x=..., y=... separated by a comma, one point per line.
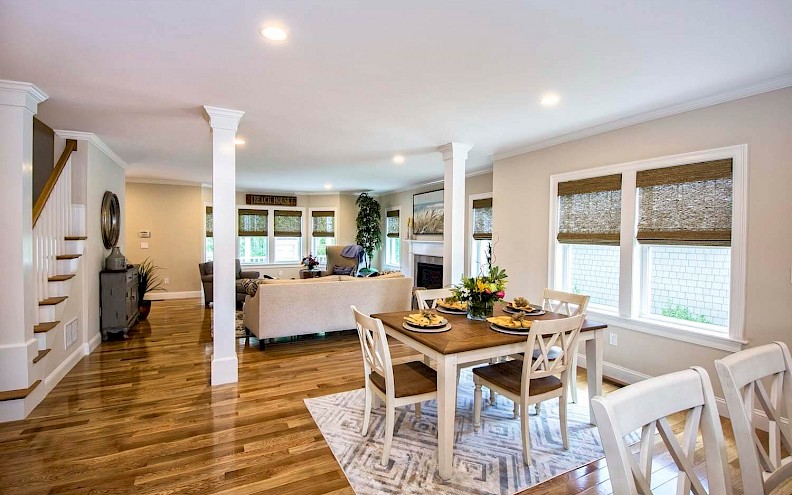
x=334, y=258
x=207, y=279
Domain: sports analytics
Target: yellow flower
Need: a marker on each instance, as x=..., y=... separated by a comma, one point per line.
x=480, y=286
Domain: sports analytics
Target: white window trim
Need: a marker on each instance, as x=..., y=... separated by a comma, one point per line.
x=628, y=315
x=271, y=235
x=206, y=204
x=385, y=263
x=307, y=249
x=469, y=237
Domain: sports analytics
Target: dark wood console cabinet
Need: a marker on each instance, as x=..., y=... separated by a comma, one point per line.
x=119, y=304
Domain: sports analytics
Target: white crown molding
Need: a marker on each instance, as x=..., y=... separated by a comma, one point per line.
x=781, y=82
x=223, y=118
x=94, y=140
x=164, y=182
x=484, y=171
x=21, y=94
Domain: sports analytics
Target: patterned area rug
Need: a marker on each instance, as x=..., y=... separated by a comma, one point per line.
x=488, y=461
x=239, y=329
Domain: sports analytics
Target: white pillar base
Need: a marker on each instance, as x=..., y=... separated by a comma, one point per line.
x=225, y=370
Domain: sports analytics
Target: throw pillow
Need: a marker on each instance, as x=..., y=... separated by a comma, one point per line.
x=250, y=286
x=342, y=270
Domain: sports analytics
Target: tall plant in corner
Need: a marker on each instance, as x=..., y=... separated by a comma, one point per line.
x=369, y=235
x=148, y=281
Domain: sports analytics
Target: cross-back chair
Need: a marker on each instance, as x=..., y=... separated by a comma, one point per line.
x=646, y=405
x=568, y=304
x=403, y=384
x=427, y=298
x=529, y=382
x=742, y=376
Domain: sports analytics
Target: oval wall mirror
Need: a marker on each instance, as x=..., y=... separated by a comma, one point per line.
x=111, y=220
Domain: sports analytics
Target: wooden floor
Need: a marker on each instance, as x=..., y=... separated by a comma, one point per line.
x=139, y=416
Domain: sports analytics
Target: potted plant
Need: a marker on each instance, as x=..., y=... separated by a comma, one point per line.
x=369, y=235
x=310, y=262
x=148, y=281
x=481, y=292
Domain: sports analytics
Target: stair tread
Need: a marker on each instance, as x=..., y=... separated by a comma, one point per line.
x=75, y=237
x=41, y=354
x=18, y=394
x=61, y=278
x=45, y=327
x=67, y=256
x=51, y=301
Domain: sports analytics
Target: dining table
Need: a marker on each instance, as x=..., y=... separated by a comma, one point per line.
x=468, y=341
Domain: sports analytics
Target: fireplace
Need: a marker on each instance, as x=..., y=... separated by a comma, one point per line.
x=429, y=275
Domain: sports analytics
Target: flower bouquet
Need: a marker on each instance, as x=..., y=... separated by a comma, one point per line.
x=481, y=292
x=310, y=262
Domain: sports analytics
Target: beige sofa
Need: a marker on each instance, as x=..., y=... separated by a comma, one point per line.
x=283, y=308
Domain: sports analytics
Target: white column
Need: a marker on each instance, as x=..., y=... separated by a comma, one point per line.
x=454, y=156
x=18, y=104
x=224, y=124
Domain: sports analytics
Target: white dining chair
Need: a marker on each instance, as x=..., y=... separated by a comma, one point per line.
x=400, y=385
x=743, y=376
x=532, y=382
x=646, y=405
x=427, y=298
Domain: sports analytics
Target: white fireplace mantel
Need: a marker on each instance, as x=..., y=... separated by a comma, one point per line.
x=419, y=247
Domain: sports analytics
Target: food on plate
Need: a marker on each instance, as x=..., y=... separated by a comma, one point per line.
x=510, y=322
x=520, y=303
x=452, y=303
x=425, y=319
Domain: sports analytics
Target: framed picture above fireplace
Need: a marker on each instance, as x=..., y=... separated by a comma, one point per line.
x=428, y=213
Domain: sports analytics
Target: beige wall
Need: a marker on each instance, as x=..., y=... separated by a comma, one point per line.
x=476, y=184
x=522, y=186
x=174, y=216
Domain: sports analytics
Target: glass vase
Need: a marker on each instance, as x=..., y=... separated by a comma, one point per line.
x=480, y=310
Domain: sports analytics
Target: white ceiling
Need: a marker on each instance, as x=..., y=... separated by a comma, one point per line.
x=359, y=81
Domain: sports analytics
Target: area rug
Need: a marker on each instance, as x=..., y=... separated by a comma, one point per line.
x=487, y=461
x=239, y=329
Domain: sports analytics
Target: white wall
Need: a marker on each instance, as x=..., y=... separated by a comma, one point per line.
x=521, y=187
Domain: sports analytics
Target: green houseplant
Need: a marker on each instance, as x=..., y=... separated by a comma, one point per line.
x=148, y=281
x=369, y=235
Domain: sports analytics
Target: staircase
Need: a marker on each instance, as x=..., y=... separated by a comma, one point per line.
x=58, y=244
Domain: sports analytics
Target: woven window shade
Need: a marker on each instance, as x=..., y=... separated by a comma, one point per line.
x=323, y=223
x=687, y=204
x=288, y=223
x=482, y=219
x=392, y=219
x=253, y=223
x=590, y=211
x=209, y=222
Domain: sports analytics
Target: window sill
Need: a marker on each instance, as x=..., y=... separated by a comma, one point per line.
x=271, y=265
x=391, y=267
x=714, y=340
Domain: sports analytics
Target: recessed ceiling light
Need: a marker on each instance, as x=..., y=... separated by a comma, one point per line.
x=274, y=33
x=550, y=100
x=239, y=141
x=328, y=186
x=398, y=159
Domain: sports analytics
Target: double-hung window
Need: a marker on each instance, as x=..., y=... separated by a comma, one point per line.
x=658, y=244
x=393, y=239
x=322, y=233
x=481, y=242
x=252, y=240
x=288, y=236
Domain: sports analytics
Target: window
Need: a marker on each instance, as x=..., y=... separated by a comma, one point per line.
x=252, y=240
x=589, y=224
x=658, y=244
x=209, y=243
x=481, y=244
x=288, y=236
x=393, y=239
x=322, y=233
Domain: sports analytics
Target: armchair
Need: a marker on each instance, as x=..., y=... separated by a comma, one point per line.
x=207, y=280
x=334, y=258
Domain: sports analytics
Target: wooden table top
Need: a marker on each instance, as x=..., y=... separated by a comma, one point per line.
x=467, y=335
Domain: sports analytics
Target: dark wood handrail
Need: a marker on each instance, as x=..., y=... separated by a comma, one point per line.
x=71, y=146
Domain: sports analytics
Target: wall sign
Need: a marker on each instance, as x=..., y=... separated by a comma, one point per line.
x=270, y=200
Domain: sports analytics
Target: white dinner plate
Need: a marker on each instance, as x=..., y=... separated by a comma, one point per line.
x=447, y=311
x=524, y=333
x=411, y=328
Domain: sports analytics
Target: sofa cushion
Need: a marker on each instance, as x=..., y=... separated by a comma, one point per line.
x=331, y=278
x=342, y=270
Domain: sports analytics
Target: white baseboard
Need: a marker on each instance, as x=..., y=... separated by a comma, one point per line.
x=63, y=368
x=162, y=296
x=92, y=344
x=225, y=370
x=619, y=374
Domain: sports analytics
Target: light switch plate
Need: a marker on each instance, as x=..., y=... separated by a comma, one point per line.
x=144, y=245
x=613, y=339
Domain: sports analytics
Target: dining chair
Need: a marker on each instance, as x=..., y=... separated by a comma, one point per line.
x=743, y=376
x=400, y=385
x=532, y=382
x=646, y=405
x=427, y=298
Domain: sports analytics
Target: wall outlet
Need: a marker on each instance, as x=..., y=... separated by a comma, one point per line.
x=280, y=272
x=144, y=245
x=613, y=338
x=165, y=281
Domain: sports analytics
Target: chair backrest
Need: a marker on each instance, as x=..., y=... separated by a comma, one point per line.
x=742, y=375
x=334, y=258
x=374, y=345
x=206, y=268
x=544, y=336
x=423, y=296
x=564, y=302
x=645, y=405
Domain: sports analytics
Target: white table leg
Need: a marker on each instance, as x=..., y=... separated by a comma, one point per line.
x=594, y=368
x=446, y=410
